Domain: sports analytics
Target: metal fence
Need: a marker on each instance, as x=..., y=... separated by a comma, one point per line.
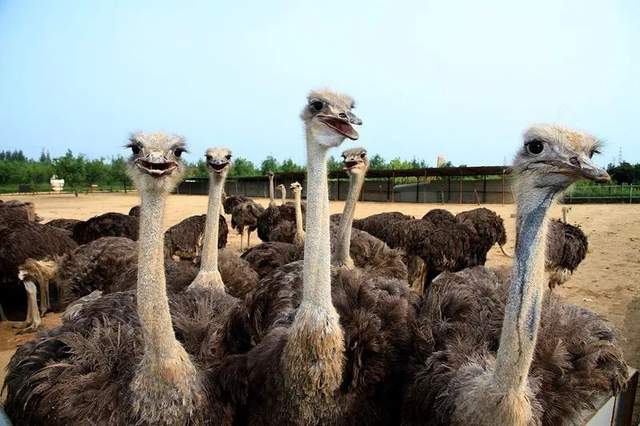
x=579, y=194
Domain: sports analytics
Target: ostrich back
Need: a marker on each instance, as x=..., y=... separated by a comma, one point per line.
x=66, y=224
x=25, y=239
x=457, y=333
x=232, y=201
x=106, y=225
x=273, y=215
x=246, y=215
x=377, y=224
x=81, y=371
x=93, y=266
x=185, y=238
x=265, y=257
x=439, y=216
x=134, y=211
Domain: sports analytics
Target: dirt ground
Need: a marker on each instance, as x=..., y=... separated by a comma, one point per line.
x=608, y=281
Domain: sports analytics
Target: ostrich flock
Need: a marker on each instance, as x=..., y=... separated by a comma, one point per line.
x=330, y=320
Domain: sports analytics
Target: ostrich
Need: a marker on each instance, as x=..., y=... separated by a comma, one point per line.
x=273, y=215
x=549, y=362
x=94, y=266
x=16, y=209
x=231, y=201
x=331, y=353
x=122, y=348
x=134, y=211
x=106, y=225
x=239, y=277
x=21, y=240
x=490, y=229
x=567, y=246
x=291, y=232
x=351, y=249
x=184, y=239
x=245, y=215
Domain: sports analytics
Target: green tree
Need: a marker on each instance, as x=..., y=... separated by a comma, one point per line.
x=334, y=165
x=289, y=166
x=71, y=169
x=243, y=167
x=377, y=163
x=269, y=164
x=624, y=172
x=96, y=171
x=118, y=172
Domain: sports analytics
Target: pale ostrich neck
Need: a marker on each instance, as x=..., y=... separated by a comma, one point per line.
x=522, y=313
x=152, y=301
x=209, y=261
x=299, y=226
x=341, y=254
x=283, y=196
x=271, y=191
x=317, y=251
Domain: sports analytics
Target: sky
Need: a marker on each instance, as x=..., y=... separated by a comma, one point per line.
x=462, y=79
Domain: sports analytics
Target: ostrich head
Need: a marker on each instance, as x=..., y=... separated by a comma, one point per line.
x=296, y=187
x=555, y=157
x=155, y=163
x=282, y=188
x=218, y=160
x=329, y=118
x=355, y=161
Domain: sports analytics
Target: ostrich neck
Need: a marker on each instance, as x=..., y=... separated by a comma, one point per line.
x=299, y=225
x=152, y=301
x=341, y=255
x=317, y=252
x=271, y=191
x=282, y=198
x=209, y=261
x=522, y=313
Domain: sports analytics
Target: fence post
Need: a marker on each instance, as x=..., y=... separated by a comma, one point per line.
x=461, y=200
x=630, y=193
x=503, y=188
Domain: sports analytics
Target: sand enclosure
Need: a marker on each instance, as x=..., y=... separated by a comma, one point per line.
x=608, y=281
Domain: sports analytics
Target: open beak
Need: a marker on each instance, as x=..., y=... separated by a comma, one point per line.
x=342, y=125
x=156, y=165
x=350, y=164
x=217, y=166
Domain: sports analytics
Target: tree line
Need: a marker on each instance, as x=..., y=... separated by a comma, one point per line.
x=79, y=172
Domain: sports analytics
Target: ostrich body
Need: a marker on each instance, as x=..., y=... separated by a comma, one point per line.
x=325, y=341
x=184, y=240
x=16, y=209
x=22, y=240
x=66, y=224
x=231, y=201
x=493, y=355
x=122, y=348
x=274, y=214
x=134, y=211
x=490, y=229
x=291, y=232
x=567, y=247
x=245, y=215
x=106, y=225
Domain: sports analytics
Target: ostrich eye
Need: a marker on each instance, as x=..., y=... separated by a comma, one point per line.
x=594, y=152
x=228, y=156
x=317, y=105
x=535, y=147
x=135, y=148
x=178, y=152
x=362, y=155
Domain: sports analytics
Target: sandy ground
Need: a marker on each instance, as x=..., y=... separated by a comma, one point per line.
x=608, y=281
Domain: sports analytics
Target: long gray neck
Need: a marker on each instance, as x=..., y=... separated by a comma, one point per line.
x=522, y=313
x=317, y=252
x=299, y=237
x=152, y=301
x=341, y=256
x=209, y=261
x=271, y=191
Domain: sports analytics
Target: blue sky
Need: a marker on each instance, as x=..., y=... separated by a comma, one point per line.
x=459, y=78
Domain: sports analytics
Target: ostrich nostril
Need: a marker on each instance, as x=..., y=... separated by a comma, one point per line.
x=342, y=115
x=574, y=161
